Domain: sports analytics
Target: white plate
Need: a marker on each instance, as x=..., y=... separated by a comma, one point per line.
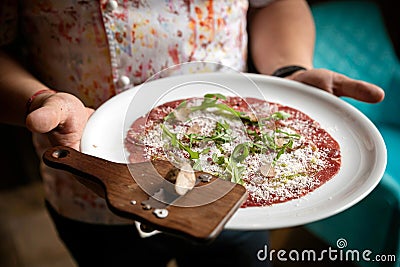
x=362, y=147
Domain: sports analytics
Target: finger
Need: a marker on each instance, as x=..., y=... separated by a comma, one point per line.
x=340, y=85
x=44, y=119
x=70, y=135
x=360, y=90
x=89, y=112
x=70, y=139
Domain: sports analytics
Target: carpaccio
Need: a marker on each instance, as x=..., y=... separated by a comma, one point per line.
x=289, y=153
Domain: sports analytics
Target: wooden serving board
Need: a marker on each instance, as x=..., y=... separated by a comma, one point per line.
x=117, y=183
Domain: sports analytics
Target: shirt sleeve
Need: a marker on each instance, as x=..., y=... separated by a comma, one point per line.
x=8, y=21
x=259, y=3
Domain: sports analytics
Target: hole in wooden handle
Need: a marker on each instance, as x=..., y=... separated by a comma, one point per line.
x=61, y=153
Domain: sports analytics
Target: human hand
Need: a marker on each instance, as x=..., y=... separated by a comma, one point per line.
x=60, y=115
x=340, y=85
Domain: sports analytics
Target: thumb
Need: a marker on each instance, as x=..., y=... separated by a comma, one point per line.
x=43, y=119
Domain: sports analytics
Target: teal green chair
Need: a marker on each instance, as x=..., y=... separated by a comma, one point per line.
x=352, y=39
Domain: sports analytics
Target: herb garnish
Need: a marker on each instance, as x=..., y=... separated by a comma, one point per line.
x=211, y=101
x=175, y=142
x=263, y=138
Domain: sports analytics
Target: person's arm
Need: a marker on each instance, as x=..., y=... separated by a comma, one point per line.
x=283, y=34
x=61, y=115
x=16, y=87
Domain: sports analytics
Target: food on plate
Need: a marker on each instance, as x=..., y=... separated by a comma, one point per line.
x=185, y=179
x=277, y=152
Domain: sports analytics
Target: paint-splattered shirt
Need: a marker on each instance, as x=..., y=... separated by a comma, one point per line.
x=96, y=49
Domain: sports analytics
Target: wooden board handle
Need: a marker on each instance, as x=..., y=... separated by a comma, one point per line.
x=93, y=172
x=116, y=183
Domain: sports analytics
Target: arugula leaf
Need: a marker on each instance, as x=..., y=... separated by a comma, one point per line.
x=215, y=95
x=218, y=160
x=297, y=136
x=197, y=165
x=210, y=101
x=240, y=152
x=279, y=115
x=235, y=172
x=283, y=149
x=175, y=142
x=221, y=134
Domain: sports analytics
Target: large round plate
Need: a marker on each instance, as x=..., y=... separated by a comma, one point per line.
x=362, y=147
